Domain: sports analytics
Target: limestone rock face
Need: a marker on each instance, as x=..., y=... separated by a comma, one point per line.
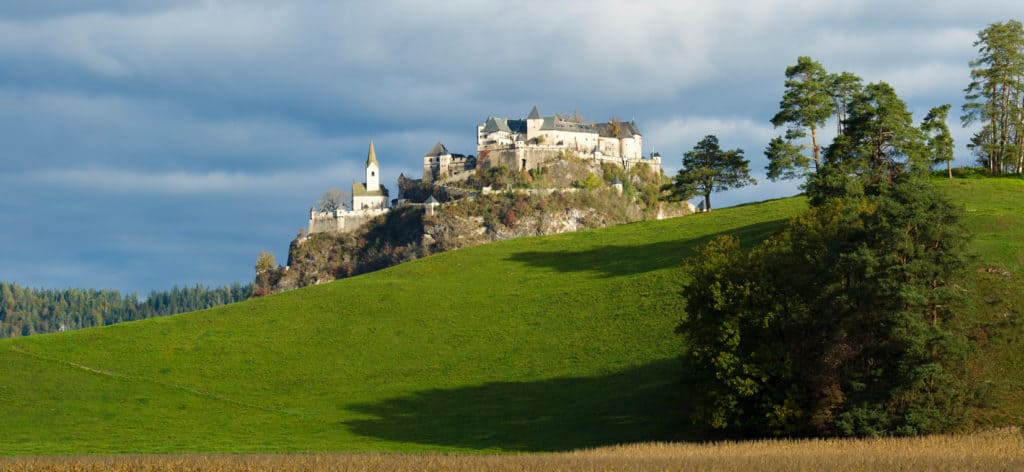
x=413, y=231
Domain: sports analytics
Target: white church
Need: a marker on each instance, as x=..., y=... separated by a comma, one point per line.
x=369, y=200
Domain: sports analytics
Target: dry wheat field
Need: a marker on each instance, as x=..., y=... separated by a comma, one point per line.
x=989, y=451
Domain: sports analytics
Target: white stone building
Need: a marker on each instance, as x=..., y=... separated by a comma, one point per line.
x=369, y=200
x=523, y=144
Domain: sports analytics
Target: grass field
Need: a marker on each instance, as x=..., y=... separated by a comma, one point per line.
x=531, y=345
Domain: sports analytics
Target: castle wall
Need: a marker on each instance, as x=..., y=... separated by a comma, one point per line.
x=518, y=158
x=341, y=221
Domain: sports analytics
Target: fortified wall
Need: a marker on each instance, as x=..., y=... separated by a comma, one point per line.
x=341, y=220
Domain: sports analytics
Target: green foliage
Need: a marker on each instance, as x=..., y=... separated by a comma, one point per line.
x=843, y=88
x=806, y=103
x=785, y=161
x=592, y=182
x=879, y=145
x=836, y=326
x=611, y=172
x=841, y=324
x=940, y=140
x=995, y=97
x=707, y=168
x=25, y=311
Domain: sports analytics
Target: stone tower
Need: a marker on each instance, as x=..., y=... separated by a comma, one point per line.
x=372, y=170
x=533, y=123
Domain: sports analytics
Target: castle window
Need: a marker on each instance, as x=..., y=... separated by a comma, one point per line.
x=373, y=174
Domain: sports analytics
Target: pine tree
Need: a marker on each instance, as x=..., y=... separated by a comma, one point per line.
x=707, y=168
x=940, y=140
x=805, y=106
x=995, y=97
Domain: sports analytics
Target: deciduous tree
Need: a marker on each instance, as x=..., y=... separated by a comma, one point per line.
x=265, y=261
x=332, y=200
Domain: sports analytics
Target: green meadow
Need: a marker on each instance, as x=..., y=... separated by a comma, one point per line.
x=535, y=344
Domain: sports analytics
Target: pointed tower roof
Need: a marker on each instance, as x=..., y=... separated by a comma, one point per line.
x=437, y=150
x=534, y=114
x=371, y=156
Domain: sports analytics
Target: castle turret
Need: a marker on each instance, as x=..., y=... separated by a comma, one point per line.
x=372, y=170
x=533, y=123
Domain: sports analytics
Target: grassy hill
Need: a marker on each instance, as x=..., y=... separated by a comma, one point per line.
x=533, y=344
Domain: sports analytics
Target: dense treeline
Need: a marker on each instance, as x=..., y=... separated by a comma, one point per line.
x=25, y=311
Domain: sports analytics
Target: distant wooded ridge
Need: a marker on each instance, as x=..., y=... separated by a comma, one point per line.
x=25, y=311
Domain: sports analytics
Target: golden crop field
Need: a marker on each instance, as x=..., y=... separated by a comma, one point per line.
x=990, y=451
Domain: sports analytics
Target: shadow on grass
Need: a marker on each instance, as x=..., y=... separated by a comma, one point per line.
x=638, y=404
x=612, y=261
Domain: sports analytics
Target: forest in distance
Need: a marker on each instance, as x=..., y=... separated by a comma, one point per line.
x=25, y=310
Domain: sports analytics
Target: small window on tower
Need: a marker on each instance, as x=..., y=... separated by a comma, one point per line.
x=373, y=174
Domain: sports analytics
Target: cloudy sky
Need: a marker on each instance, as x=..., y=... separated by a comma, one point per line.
x=148, y=144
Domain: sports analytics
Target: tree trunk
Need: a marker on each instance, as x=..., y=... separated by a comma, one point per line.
x=707, y=201
x=949, y=168
x=814, y=147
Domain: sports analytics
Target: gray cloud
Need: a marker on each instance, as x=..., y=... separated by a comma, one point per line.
x=145, y=119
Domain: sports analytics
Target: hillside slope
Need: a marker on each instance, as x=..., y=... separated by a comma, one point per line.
x=533, y=344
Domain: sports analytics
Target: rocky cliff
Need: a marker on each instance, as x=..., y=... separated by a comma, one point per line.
x=414, y=231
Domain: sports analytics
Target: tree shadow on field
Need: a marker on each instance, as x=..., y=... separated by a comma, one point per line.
x=644, y=403
x=613, y=261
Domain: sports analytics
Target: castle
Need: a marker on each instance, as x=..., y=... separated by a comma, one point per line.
x=369, y=200
x=516, y=144
x=525, y=144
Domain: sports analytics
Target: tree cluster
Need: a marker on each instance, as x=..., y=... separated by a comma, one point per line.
x=812, y=96
x=840, y=325
x=995, y=98
x=25, y=311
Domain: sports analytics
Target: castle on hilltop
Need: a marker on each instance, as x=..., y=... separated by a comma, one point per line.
x=369, y=200
x=519, y=145
x=525, y=144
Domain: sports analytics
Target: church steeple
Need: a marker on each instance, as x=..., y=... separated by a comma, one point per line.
x=372, y=170
x=371, y=157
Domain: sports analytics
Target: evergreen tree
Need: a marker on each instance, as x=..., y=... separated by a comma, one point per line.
x=707, y=168
x=940, y=141
x=995, y=96
x=840, y=324
x=805, y=106
x=25, y=311
x=843, y=88
x=880, y=142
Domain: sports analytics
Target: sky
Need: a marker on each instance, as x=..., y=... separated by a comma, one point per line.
x=147, y=144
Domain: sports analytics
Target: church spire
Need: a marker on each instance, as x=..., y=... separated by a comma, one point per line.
x=371, y=157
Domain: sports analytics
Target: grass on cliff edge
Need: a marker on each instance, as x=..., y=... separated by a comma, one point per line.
x=536, y=344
